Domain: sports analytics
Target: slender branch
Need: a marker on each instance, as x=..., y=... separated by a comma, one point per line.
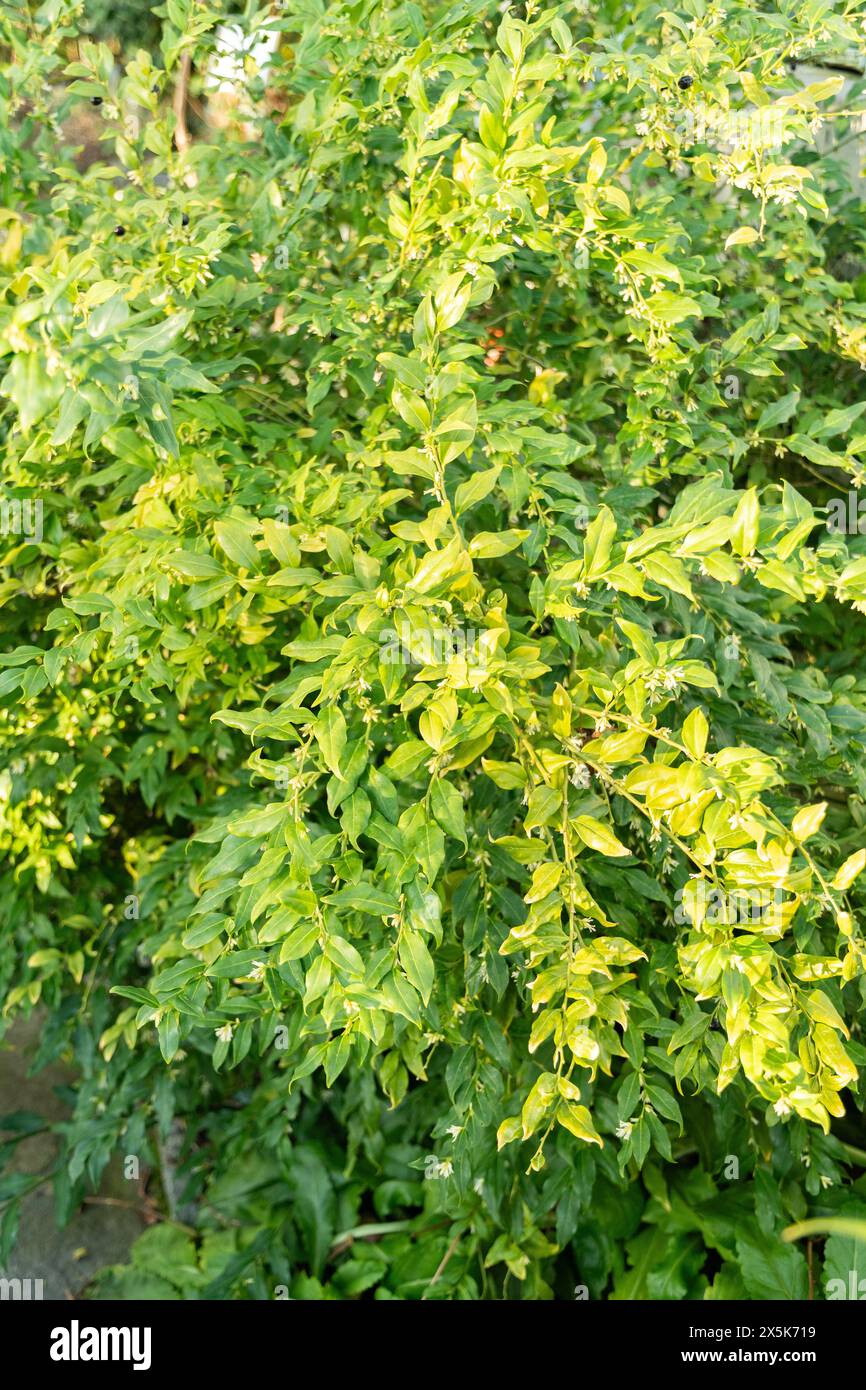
x=181, y=90
x=443, y=1264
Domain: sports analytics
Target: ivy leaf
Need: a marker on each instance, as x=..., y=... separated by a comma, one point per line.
x=771, y=1269
x=844, y=1272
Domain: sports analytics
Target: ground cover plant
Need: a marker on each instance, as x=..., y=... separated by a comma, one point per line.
x=433, y=690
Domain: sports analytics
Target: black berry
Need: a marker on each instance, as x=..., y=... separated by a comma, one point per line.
x=119, y=231
x=96, y=101
x=184, y=221
x=685, y=82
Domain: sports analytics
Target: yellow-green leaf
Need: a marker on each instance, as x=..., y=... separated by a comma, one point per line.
x=599, y=837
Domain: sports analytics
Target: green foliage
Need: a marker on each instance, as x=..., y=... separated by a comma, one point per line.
x=127, y=22
x=434, y=701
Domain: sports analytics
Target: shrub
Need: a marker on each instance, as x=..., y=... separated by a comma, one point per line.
x=434, y=703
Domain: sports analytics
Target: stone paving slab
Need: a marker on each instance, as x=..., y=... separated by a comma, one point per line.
x=99, y=1235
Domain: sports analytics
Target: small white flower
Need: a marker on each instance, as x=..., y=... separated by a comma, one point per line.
x=225, y=1033
x=435, y=1169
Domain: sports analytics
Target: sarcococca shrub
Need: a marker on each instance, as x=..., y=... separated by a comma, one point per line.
x=433, y=700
